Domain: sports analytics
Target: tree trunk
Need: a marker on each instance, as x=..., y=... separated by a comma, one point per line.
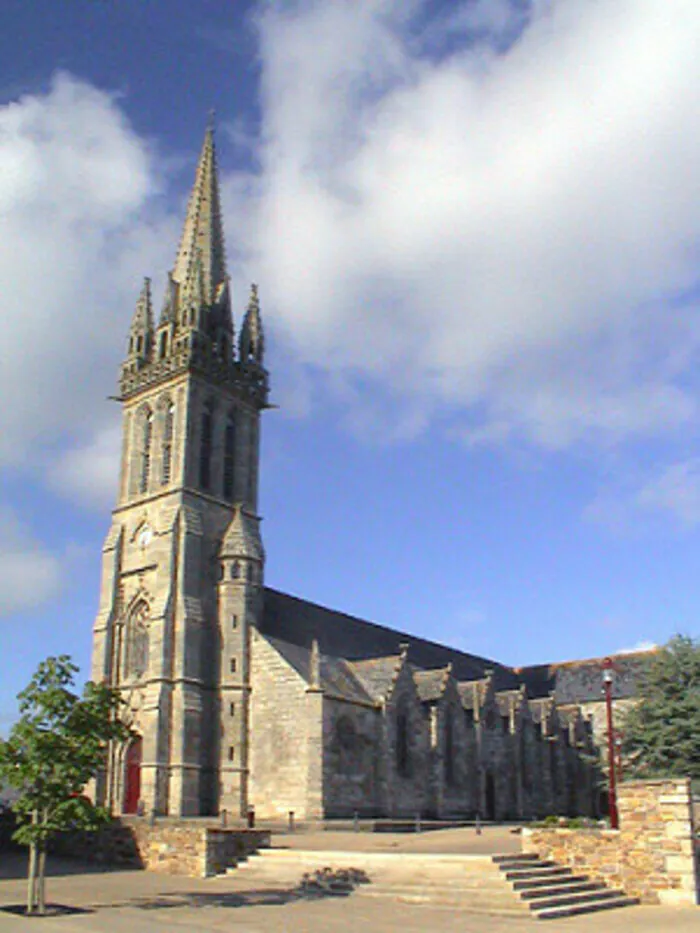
x=31, y=874
x=41, y=873
x=41, y=880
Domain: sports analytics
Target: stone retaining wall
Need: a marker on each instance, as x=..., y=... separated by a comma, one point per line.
x=653, y=856
x=174, y=847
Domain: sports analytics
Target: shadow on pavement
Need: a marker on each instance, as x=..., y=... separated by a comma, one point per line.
x=13, y=866
x=51, y=910
x=324, y=883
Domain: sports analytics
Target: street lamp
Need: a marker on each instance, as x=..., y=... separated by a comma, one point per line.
x=608, y=669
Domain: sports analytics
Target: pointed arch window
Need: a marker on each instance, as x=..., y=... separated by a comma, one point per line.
x=449, y=748
x=136, y=662
x=229, y=456
x=402, y=744
x=146, y=436
x=167, y=452
x=205, y=448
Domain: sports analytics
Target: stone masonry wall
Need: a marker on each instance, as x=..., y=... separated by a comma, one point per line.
x=170, y=847
x=278, y=735
x=653, y=856
x=350, y=757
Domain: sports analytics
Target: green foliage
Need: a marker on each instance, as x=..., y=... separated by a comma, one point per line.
x=566, y=822
x=661, y=734
x=55, y=748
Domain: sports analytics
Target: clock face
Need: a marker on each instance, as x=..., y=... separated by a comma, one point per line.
x=144, y=537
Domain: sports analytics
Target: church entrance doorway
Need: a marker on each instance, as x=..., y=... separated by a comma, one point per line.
x=490, y=797
x=132, y=776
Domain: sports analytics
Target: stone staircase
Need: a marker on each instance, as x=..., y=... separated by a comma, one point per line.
x=552, y=891
x=491, y=884
x=466, y=882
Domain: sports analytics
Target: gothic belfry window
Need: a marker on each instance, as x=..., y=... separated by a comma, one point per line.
x=167, y=457
x=205, y=448
x=137, y=641
x=253, y=464
x=146, y=434
x=229, y=456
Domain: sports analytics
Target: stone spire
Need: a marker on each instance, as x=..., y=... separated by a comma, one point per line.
x=201, y=257
x=252, y=341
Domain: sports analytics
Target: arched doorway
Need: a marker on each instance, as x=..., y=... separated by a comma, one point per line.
x=132, y=776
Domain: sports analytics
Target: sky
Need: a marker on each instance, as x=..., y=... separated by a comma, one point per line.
x=475, y=227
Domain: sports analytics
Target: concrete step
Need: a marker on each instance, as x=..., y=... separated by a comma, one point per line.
x=456, y=867
x=552, y=890
x=485, y=901
x=293, y=873
x=519, y=857
x=422, y=858
x=526, y=874
x=574, y=897
x=571, y=910
x=517, y=865
x=531, y=884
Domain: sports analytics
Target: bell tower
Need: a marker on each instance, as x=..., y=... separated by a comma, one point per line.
x=186, y=503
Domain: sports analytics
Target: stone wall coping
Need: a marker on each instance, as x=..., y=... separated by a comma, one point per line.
x=568, y=831
x=655, y=782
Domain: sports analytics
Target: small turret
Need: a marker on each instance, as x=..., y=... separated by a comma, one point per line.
x=141, y=332
x=252, y=340
x=242, y=539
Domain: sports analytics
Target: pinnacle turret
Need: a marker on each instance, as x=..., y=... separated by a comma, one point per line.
x=252, y=340
x=141, y=332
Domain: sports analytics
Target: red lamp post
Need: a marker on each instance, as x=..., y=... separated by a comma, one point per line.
x=608, y=668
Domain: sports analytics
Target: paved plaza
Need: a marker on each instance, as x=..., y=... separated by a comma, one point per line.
x=145, y=902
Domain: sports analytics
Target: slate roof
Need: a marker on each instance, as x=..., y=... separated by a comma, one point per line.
x=337, y=677
x=297, y=622
x=377, y=674
x=466, y=691
x=504, y=701
x=430, y=684
x=539, y=709
x=581, y=681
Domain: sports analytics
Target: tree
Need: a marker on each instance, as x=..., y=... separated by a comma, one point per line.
x=54, y=749
x=662, y=732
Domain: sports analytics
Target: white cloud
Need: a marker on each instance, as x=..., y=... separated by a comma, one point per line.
x=29, y=574
x=88, y=472
x=637, y=499
x=497, y=235
x=437, y=229
x=79, y=229
x=676, y=490
x=644, y=645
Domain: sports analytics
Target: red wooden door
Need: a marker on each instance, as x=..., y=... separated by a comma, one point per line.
x=132, y=777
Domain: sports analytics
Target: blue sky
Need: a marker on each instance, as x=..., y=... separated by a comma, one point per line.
x=475, y=228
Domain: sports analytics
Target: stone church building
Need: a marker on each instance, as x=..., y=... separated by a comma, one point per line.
x=242, y=696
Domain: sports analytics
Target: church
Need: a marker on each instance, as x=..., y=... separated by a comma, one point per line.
x=242, y=697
